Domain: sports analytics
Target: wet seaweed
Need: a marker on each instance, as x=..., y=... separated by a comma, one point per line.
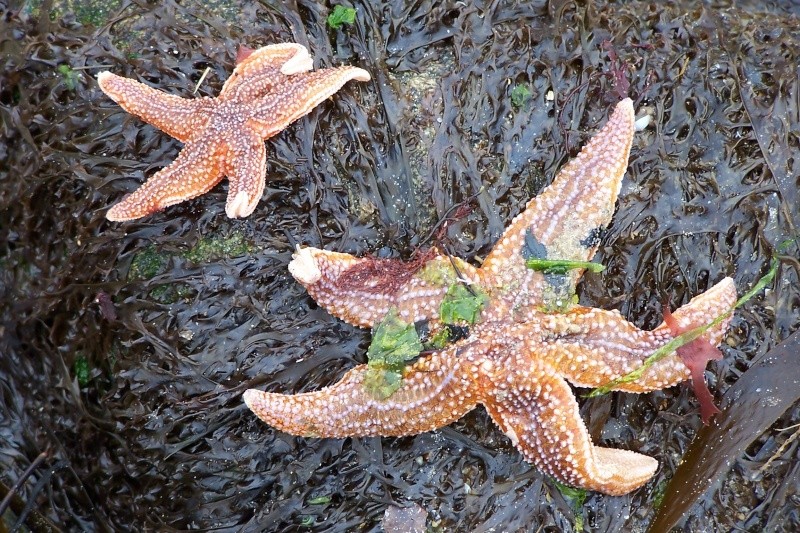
x=141, y=412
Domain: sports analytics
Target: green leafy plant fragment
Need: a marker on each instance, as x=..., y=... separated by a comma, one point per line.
x=439, y=340
x=561, y=266
x=577, y=497
x=462, y=303
x=394, y=343
x=519, y=95
x=69, y=75
x=341, y=15
x=81, y=369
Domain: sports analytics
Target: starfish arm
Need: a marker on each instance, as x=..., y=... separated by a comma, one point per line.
x=175, y=116
x=435, y=392
x=566, y=220
x=264, y=67
x=538, y=412
x=591, y=347
x=195, y=171
x=297, y=95
x=246, y=174
x=361, y=291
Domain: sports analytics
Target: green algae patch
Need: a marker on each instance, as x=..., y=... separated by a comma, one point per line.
x=147, y=264
x=341, y=15
x=87, y=12
x=218, y=246
x=394, y=344
x=439, y=340
x=462, y=303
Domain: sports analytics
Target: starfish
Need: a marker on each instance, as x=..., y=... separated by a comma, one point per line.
x=528, y=342
x=269, y=89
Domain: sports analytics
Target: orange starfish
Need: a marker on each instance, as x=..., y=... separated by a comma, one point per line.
x=269, y=89
x=527, y=343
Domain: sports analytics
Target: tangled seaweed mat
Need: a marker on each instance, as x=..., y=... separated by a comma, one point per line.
x=126, y=346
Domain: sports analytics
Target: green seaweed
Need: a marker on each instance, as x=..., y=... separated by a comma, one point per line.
x=439, y=340
x=341, y=15
x=462, y=303
x=394, y=343
x=82, y=370
x=577, y=497
x=520, y=94
x=218, y=246
x=70, y=76
x=561, y=266
x=437, y=273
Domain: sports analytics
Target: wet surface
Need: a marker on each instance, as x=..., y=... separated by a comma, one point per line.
x=126, y=346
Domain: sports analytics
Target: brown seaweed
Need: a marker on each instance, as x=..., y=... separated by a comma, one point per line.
x=142, y=414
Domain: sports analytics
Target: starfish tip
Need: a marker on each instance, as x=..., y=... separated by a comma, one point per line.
x=301, y=61
x=102, y=77
x=304, y=267
x=251, y=397
x=116, y=215
x=240, y=206
x=107, y=81
x=625, y=107
x=359, y=74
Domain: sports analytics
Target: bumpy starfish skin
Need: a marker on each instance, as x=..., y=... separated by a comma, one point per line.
x=224, y=136
x=566, y=219
x=373, y=286
x=518, y=358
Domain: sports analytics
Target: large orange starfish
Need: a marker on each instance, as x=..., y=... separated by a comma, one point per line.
x=224, y=136
x=529, y=340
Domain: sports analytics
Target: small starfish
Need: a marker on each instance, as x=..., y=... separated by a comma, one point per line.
x=528, y=342
x=269, y=89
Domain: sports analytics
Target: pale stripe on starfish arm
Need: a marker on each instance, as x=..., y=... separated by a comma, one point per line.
x=436, y=391
x=566, y=220
x=246, y=174
x=302, y=94
x=178, y=117
x=592, y=347
x=361, y=291
x=194, y=172
x=538, y=412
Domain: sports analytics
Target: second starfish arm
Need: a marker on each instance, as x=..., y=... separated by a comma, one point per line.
x=246, y=173
x=175, y=116
x=300, y=94
x=541, y=417
x=608, y=347
x=195, y=171
x=259, y=71
x=435, y=392
x=567, y=219
x=361, y=291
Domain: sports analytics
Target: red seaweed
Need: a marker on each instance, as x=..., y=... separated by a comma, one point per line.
x=696, y=355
